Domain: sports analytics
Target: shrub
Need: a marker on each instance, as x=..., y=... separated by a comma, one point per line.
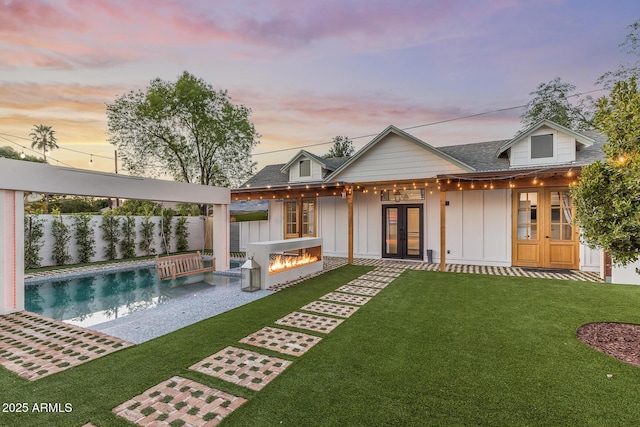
x=61, y=237
x=85, y=239
x=33, y=233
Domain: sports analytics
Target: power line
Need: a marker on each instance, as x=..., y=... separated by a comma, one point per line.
x=500, y=110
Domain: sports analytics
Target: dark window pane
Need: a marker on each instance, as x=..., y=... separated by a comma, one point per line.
x=541, y=146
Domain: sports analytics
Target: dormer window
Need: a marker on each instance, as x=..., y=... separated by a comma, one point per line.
x=305, y=167
x=542, y=146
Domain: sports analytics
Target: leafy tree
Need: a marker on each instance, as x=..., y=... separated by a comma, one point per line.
x=342, y=147
x=85, y=239
x=185, y=128
x=138, y=207
x=43, y=138
x=551, y=102
x=61, y=237
x=10, y=153
x=33, y=233
x=607, y=197
x=625, y=71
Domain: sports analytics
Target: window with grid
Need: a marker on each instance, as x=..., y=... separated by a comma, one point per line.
x=303, y=220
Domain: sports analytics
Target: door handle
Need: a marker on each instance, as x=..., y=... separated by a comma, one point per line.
x=546, y=237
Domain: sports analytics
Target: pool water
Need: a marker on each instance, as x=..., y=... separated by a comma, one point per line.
x=88, y=301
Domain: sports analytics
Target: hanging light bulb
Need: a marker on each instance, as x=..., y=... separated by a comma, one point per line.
x=22, y=155
x=535, y=180
x=472, y=185
x=91, y=160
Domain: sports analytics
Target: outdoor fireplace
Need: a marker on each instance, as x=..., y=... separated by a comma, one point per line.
x=287, y=260
x=301, y=257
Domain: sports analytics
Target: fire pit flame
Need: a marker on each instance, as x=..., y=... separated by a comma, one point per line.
x=285, y=262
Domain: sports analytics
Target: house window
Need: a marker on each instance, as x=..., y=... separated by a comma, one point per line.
x=541, y=146
x=528, y=216
x=305, y=167
x=299, y=218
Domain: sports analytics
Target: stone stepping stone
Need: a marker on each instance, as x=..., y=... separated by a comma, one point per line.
x=242, y=367
x=359, y=290
x=393, y=274
x=346, y=298
x=179, y=401
x=281, y=340
x=339, y=310
x=312, y=322
x=368, y=284
x=377, y=278
x=390, y=270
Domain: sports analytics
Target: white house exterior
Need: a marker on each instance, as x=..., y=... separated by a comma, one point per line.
x=497, y=203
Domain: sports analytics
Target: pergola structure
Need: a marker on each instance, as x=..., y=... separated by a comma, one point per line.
x=18, y=177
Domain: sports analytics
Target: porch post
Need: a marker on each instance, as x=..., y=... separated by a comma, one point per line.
x=300, y=216
x=350, y=222
x=11, y=252
x=443, y=230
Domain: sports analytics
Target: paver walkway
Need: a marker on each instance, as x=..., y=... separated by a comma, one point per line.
x=35, y=346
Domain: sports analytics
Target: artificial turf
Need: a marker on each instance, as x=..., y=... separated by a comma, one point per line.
x=430, y=349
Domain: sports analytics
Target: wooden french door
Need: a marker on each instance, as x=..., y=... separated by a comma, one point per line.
x=402, y=231
x=543, y=231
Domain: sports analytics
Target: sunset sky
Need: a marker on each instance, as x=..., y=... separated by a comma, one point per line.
x=309, y=70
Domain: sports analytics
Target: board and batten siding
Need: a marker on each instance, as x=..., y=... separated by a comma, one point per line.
x=564, y=149
x=478, y=227
x=395, y=158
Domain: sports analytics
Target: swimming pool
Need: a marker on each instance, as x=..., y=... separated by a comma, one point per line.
x=100, y=297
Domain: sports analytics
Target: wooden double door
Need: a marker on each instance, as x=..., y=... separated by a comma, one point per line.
x=544, y=235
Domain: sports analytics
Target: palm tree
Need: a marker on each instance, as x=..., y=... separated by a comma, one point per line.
x=44, y=139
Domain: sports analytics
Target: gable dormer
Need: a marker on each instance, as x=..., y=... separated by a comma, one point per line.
x=545, y=143
x=305, y=167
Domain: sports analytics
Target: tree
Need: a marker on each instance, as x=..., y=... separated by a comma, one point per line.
x=342, y=147
x=625, y=71
x=185, y=128
x=10, y=153
x=607, y=197
x=43, y=138
x=551, y=102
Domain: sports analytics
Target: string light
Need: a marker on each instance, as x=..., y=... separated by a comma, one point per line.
x=91, y=160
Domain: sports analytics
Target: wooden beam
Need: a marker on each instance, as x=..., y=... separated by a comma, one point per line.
x=350, y=222
x=443, y=230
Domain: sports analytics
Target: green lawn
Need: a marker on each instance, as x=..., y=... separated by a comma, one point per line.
x=430, y=349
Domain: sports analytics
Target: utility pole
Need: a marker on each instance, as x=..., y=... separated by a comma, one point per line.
x=115, y=152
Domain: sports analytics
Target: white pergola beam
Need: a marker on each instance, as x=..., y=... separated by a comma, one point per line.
x=17, y=177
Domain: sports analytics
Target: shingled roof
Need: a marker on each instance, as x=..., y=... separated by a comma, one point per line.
x=480, y=155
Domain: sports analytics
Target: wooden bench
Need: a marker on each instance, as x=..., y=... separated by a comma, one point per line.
x=173, y=266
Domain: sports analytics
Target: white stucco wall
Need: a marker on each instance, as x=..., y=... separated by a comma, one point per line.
x=626, y=275
x=195, y=225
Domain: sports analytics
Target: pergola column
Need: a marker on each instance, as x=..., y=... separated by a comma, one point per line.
x=11, y=251
x=221, y=236
x=350, y=225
